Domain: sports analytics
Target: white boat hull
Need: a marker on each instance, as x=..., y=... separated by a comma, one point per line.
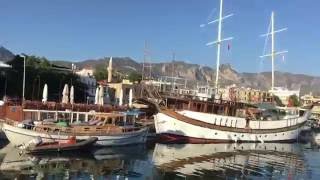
x=18, y=136
x=172, y=129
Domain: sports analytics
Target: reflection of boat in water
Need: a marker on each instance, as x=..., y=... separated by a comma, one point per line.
x=71, y=166
x=233, y=160
x=124, y=152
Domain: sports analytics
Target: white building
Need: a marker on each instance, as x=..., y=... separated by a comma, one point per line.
x=4, y=65
x=284, y=94
x=204, y=92
x=309, y=99
x=87, y=77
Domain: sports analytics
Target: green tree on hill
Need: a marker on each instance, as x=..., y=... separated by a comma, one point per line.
x=135, y=76
x=101, y=73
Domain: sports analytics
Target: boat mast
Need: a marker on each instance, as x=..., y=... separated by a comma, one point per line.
x=218, y=42
x=273, y=52
x=218, y=46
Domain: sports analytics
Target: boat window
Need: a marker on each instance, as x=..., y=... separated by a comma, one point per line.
x=130, y=120
x=119, y=122
x=109, y=120
x=301, y=113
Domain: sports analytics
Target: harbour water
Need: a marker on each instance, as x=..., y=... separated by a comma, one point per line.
x=173, y=161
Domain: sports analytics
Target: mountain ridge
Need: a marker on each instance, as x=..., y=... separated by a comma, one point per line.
x=228, y=75
x=196, y=73
x=5, y=54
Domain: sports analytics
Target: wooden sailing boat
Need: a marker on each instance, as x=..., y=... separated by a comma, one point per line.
x=194, y=121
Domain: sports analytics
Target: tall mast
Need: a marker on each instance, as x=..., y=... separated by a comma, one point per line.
x=273, y=51
x=218, y=42
x=172, y=73
x=219, y=45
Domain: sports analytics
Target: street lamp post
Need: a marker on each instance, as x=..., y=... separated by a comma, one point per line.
x=24, y=77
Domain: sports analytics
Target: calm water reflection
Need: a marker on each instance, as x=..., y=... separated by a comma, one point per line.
x=190, y=161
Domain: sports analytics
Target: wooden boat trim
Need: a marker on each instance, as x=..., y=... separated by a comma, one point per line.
x=63, y=147
x=105, y=130
x=195, y=122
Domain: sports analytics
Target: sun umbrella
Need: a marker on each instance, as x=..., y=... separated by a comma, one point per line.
x=101, y=96
x=65, y=94
x=96, y=98
x=45, y=94
x=121, y=97
x=71, y=95
x=130, y=98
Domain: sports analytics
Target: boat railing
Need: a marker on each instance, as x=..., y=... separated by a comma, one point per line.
x=235, y=122
x=73, y=130
x=78, y=107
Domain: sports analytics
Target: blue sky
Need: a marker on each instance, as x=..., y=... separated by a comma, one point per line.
x=81, y=29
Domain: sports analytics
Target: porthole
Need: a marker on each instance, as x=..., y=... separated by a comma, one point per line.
x=283, y=134
x=265, y=135
x=242, y=135
x=275, y=135
x=235, y=135
x=215, y=133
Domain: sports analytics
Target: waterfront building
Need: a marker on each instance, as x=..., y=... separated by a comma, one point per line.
x=114, y=92
x=284, y=94
x=309, y=99
x=87, y=77
x=248, y=95
x=205, y=92
x=315, y=112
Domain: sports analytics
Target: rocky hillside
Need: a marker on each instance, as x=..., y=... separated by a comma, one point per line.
x=196, y=73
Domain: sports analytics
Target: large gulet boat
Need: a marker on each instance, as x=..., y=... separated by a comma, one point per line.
x=194, y=121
